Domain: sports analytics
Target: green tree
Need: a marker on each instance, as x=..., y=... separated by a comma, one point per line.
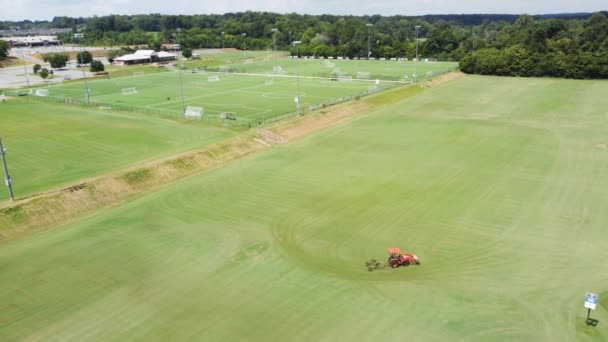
x=56, y=60
x=187, y=52
x=4, y=49
x=97, y=66
x=36, y=68
x=84, y=57
x=44, y=73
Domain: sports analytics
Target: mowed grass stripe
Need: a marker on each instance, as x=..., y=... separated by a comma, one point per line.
x=504, y=210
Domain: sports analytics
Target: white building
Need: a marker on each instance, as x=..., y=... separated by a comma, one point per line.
x=145, y=56
x=32, y=41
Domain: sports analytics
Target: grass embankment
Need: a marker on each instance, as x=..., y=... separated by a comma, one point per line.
x=55, y=207
x=499, y=185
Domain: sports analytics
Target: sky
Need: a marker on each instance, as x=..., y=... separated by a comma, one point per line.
x=47, y=9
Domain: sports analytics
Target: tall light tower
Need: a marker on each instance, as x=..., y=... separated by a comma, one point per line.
x=297, y=45
x=369, y=41
x=474, y=41
x=274, y=38
x=181, y=83
x=7, y=177
x=223, y=39
x=416, y=64
x=87, y=91
x=27, y=78
x=244, y=35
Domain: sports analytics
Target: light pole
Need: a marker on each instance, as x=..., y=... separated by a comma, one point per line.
x=474, y=40
x=7, y=177
x=87, y=92
x=297, y=45
x=27, y=78
x=369, y=41
x=222, y=40
x=244, y=35
x=181, y=83
x=274, y=31
x=416, y=64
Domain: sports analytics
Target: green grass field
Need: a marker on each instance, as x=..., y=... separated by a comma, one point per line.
x=498, y=184
x=54, y=145
x=252, y=97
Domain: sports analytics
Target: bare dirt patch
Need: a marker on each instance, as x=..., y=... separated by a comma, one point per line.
x=602, y=146
x=437, y=81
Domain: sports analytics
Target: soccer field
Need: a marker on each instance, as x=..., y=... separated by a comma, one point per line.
x=499, y=185
x=54, y=145
x=257, y=95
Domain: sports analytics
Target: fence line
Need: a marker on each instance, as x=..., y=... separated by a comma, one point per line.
x=214, y=120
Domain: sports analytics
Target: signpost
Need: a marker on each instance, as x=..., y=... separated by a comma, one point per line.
x=591, y=303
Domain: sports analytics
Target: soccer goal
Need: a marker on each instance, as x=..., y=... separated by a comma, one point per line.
x=248, y=61
x=213, y=78
x=277, y=69
x=345, y=78
x=138, y=73
x=42, y=92
x=363, y=75
x=269, y=82
x=224, y=69
x=193, y=113
x=129, y=91
x=228, y=116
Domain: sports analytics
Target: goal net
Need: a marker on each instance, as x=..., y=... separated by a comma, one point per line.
x=330, y=65
x=363, y=75
x=248, y=61
x=345, y=78
x=138, y=73
x=193, y=113
x=228, y=116
x=213, y=78
x=129, y=91
x=42, y=92
x=224, y=69
x=269, y=82
x=277, y=69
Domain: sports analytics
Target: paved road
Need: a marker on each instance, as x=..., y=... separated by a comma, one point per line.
x=15, y=77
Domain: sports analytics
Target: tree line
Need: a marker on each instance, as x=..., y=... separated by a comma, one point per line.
x=572, y=46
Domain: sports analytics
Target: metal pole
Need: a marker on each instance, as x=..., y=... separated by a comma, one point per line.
x=297, y=45
x=84, y=75
x=474, y=42
x=7, y=177
x=243, y=35
x=27, y=78
x=369, y=41
x=276, y=67
x=416, y=64
x=181, y=84
x=222, y=40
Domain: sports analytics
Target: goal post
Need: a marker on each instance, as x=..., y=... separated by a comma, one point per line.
x=42, y=92
x=193, y=113
x=129, y=91
x=213, y=78
x=363, y=75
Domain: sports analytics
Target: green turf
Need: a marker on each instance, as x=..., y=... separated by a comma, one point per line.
x=53, y=145
x=252, y=97
x=498, y=184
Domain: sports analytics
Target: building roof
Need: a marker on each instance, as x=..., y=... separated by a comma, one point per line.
x=132, y=57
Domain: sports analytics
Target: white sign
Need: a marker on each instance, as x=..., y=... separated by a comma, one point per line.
x=591, y=300
x=296, y=100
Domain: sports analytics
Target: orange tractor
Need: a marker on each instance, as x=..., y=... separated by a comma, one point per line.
x=396, y=258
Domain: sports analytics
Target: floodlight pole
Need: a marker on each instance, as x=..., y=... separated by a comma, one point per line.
x=416, y=64
x=297, y=45
x=27, y=78
x=243, y=35
x=369, y=40
x=222, y=40
x=474, y=42
x=84, y=75
x=274, y=30
x=181, y=83
x=7, y=177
